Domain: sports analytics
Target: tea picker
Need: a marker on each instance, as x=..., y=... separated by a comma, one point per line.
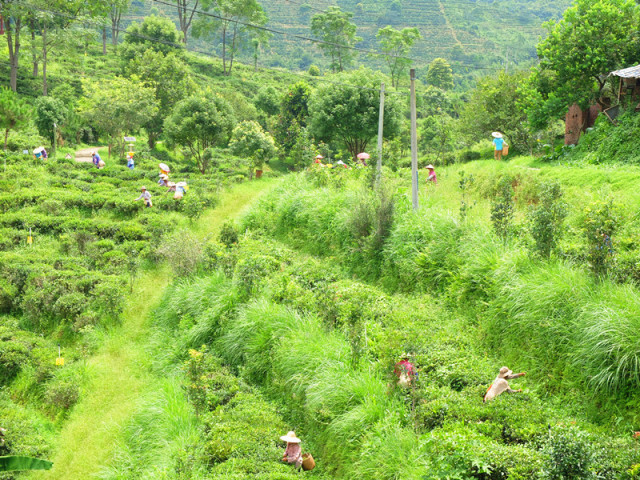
x=293, y=453
x=501, y=385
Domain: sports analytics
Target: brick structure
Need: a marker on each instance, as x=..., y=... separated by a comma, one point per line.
x=578, y=120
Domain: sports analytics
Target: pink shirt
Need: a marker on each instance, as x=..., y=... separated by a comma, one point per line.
x=293, y=452
x=432, y=176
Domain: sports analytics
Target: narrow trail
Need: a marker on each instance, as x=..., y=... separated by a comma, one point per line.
x=448, y=24
x=119, y=374
x=84, y=155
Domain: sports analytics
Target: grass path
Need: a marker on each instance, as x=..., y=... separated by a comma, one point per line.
x=119, y=374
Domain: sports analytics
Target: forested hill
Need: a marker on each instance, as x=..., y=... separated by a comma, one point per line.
x=476, y=37
x=473, y=33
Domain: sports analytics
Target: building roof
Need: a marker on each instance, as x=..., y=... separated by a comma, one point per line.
x=631, y=72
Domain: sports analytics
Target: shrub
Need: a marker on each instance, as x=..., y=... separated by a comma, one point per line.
x=183, y=252
x=228, y=234
x=502, y=209
x=601, y=219
x=546, y=219
x=570, y=455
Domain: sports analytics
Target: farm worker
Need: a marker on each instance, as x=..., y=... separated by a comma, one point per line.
x=432, y=174
x=164, y=168
x=181, y=189
x=130, y=163
x=40, y=152
x=500, y=384
x=2, y=432
x=101, y=164
x=498, y=143
x=67, y=156
x=96, y=158
x=293, y=452
x=146, y=196
x=163, y=180
x=319, y=158
x=44, y=153
x=405, y=371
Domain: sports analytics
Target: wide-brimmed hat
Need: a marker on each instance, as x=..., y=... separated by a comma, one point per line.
x=143, y=188
x=496, y=135
x=164, y=167
x=505, y=372
x=164, y=176
x=181, y=184
x=430, y=167
x=363, y=156
x=290, y=438
x=319, y=156
x=38, y=150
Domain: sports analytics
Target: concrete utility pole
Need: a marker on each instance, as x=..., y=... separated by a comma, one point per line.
x=380, y=130
x=414, y=142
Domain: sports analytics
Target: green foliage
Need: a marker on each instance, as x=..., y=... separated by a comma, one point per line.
x=199, y=122
x=118, y=106
x=168, y=76
x=600, y=221
x=440, y=74
x=50, y=114
x=495, y=105
x=228, y=234
x=349, y=112
x=502, y=208
x=464, y=184
x=335, y=28
x=397, y=45
x=183, y=252
x=592, y=39
x=294, y=112
x=570, y=455
x=546, y=218
x=16, y=463
x=158, y=33
x=13, y=112
x=267, y=100
x=314, y=71
x=249, y=140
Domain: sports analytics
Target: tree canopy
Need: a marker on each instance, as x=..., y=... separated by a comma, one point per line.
x=336, y=29
x=440, y=74
x=157, y=33
x=348, y=111
x=593, y=38
x=199, y=122
x=397, y=45
x=14, y=111
x=50, y=113
x=251, y=141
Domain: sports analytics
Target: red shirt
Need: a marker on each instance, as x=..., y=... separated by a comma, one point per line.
x=406, y=367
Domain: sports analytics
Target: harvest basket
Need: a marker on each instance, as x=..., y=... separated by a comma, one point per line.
x=308, y=463
x=505, y=149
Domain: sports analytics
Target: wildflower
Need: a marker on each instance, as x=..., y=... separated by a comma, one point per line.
x=194, y=353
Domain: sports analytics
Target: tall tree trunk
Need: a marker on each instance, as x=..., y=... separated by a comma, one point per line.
x=14, y=50
x=34, y=52
x=104, y=40
x=44, y=59
x=224, y=48
x=6, y=137
x=233, y=46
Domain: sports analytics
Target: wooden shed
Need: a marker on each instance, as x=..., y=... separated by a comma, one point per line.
x=629, y=83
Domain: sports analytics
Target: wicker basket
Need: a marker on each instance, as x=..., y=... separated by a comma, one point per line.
x=308, y=463
x=505, y=149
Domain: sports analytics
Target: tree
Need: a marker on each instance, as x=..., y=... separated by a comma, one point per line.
x=118, y=8
x=251, y=141
x=593, y=38
x=259, y=40
x=13, y=112
x=50, y=114
x=349, y=111
x=14, y=14
x=397, y=45
x=157, y=33
x=233, y=33
x=494, y=105
x=186, y=11
x=118, y=106
x=267, y=100
x=440, y=74
x=170, y=79
x=198, y=122
x=294, y=111
x=546, y=218
x=339, y=34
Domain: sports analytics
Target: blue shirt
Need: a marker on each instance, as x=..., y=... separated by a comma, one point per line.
x=498, y=143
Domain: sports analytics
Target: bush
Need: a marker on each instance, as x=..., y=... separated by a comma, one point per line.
x=183, y=252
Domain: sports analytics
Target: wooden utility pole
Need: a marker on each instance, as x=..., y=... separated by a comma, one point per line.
x=414, y=142
x=380, y=131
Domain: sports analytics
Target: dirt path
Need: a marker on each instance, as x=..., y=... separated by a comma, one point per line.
x=84, y=155
x=119, y=374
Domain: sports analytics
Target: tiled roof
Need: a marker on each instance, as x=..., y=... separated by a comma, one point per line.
x=631, y=72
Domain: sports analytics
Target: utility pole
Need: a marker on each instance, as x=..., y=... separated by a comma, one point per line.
x=414, y=142
x=380, y=130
